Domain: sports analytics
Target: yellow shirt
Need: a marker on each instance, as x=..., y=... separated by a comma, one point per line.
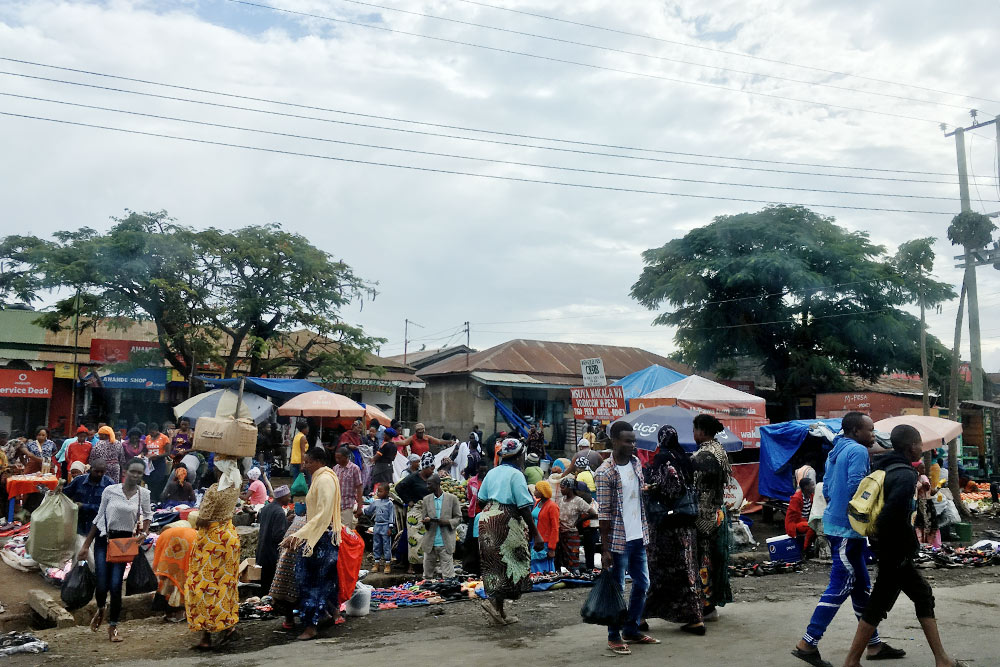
x=587, y=478
x=298, y=446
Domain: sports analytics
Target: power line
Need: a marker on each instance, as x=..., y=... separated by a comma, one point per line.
x=441, y=135
x=513, y=179
x=446, y=126
x=473, y=158
x=630, y=53
x=723, y=51
x=578, y=63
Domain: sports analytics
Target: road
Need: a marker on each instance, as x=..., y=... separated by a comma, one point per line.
x=756, y=632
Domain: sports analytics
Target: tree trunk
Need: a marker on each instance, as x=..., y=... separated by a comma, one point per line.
x=953, y=413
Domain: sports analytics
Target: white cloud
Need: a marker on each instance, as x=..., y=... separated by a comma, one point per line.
x=447, y=248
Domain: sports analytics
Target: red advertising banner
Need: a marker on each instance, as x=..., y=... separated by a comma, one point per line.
x=604, y=403
x=107, y=351
x=25, y=384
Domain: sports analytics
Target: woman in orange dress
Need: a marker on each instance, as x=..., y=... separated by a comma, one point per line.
x=170, y=563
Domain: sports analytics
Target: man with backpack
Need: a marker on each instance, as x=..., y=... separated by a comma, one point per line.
x=896, y=545
x=846, y=465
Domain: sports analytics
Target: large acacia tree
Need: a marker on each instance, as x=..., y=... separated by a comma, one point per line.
x=213, y=295
x=810, y=300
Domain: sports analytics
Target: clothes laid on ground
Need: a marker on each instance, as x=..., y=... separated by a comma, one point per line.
x=13, y=643
x=211, y=596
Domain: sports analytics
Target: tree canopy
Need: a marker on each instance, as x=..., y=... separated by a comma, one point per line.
x=810, y=300
x=258, y=294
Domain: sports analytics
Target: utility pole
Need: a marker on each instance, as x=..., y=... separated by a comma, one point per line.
x=468, y=337
x=406, y=337
x=973, y=257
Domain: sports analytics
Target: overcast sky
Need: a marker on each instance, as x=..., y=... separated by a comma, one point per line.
x=516, y=259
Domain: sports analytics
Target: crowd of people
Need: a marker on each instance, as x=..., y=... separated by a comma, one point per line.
x=663, y=524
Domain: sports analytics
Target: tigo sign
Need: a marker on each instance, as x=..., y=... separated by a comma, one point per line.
x=25, y=384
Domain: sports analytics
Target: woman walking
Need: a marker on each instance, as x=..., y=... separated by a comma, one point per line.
x=711, y=474
x=675, y=591
x=504, y=528
x=124, y=513
x=170, y=564
x=211, y=598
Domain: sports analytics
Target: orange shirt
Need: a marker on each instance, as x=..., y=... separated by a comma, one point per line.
x=158, y=446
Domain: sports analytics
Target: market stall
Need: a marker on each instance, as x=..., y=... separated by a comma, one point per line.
x=787, y=446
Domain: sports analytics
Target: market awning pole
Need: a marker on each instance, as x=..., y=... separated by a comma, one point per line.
x=239, y=398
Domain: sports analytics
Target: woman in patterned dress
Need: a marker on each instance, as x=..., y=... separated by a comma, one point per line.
x=504, y=528
x=211, y=597
x=711, y=474
x=170, y=564
x=675, y=587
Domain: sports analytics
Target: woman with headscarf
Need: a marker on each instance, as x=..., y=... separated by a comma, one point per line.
x=412, y=490
x=711, y=474
x=211, y=598
x=110, y=451
x=504, y=528
x=675, y=589
x=256, y=493
x=170, y=564
x=546, y=518
x=178, y=490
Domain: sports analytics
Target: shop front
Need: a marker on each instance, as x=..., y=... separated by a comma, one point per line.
x=25, y=396
x=125, y=399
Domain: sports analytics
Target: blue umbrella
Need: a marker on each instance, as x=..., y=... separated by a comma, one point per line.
x=647, y=423
x=222, y=403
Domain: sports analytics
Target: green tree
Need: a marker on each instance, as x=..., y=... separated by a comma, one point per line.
x=19, y=281
x=212, y=295
x=914, y=261
x=785, y=285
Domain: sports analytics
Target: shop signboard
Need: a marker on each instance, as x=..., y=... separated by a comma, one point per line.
x=143, y=378
x=603, y=403
x=25, y=384
x=107, y=351
x=65, y=371
x=593, y=372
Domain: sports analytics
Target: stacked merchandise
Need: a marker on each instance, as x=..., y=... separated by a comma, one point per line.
x=764, y=569
x=981, y=554
x=425, y=592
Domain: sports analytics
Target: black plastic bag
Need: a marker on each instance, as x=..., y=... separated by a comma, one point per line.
x=605, y=605
x=140, y=578
x=78, y=586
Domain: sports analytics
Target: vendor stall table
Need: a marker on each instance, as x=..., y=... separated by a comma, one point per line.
x=23, y=484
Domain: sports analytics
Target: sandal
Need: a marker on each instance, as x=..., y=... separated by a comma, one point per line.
x=491, y=613
x=641, y=639
x=694, y=629
x=887, y=653
x=96, y=621
x=619, y=648
x=812, y=657
x=227, y=637
x=113, y=635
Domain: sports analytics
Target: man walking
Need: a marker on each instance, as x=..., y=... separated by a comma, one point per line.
x=847, y=464
x=895, y=545
x=351, y=487
x=442, y=514
x=624, y=532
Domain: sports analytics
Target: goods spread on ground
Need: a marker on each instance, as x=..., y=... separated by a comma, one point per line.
x=981, y=554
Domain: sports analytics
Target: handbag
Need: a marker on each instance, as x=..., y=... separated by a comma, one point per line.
x=124, y=549
x=679, y=511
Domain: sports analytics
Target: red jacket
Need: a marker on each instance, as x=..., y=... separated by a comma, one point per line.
x=548, y=523
x=793, y=517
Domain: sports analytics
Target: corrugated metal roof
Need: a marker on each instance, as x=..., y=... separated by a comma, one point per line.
x=546, y=358
x=518, y=380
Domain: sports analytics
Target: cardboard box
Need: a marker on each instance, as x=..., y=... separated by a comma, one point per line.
x=223, y=435
x=784, y=548
x=249, y=571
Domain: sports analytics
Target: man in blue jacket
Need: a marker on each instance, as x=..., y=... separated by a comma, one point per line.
x=896, y=545
x=847, y=464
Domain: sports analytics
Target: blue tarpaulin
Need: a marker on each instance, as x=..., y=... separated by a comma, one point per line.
x=778, y=444
x=279, y=388
x=510, y=416
x=648, y=379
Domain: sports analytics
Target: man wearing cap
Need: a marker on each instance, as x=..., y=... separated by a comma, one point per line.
x=532, y=473
x=274, y=520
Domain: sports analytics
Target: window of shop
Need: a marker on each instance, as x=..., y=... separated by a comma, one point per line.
x=406, y=405
x=531, y=404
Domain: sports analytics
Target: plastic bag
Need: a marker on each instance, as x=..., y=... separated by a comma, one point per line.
x=605, y=605
x=140, y=577
x=349, y=556
x=52, y=536
x=78, y=586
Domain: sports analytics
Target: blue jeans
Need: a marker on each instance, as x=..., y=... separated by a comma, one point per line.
x=634, y=562
x=294, y=469
x=848, y=578
x=382, y=546
x=109, y=577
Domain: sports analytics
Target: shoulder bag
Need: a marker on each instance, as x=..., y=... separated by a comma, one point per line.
x=125, y=549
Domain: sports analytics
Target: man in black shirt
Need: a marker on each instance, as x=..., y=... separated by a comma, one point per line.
x=896, y=545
